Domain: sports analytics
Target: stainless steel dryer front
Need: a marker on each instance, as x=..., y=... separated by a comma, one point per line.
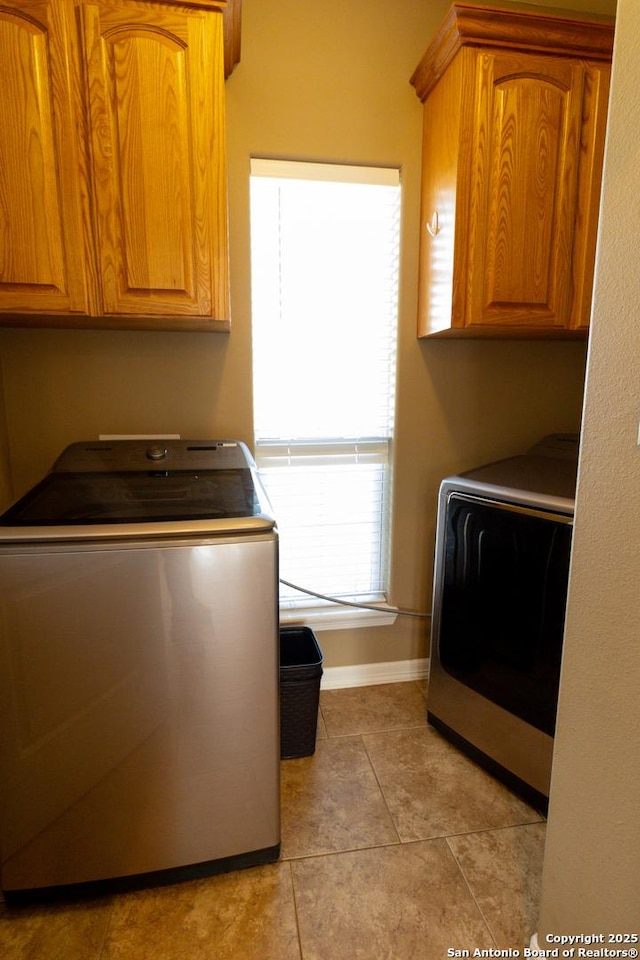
x=138, y=668
x=503, y=547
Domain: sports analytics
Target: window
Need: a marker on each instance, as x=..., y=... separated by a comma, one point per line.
x=324, y=255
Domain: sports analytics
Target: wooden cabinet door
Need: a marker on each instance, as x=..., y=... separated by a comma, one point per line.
x=44, y=265
x=156, y=104
x=524, y=190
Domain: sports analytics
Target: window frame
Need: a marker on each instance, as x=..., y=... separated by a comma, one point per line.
x=318, y=612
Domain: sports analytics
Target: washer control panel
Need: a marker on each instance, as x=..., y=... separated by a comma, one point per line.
x=115, y=456
x=157, y=453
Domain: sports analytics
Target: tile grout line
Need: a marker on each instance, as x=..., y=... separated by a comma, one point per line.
x=372, y=733
x=105, y=936
x=471, y=833
x=295, y=907
x=406, y=843
x=381, y=789
x=472, y=894
x=370, y=846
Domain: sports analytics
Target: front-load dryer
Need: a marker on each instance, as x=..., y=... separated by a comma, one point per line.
x=503, y=545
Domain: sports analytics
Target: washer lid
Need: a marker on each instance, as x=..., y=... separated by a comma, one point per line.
x=195, y=488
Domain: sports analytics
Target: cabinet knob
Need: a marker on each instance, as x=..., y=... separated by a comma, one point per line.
x=433, y=228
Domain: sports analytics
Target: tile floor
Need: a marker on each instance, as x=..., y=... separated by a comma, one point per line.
x=394, y=847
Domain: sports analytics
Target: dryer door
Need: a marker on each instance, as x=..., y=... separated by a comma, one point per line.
x=504, y=588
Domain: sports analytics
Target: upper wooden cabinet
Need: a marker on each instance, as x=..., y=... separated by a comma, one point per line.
x=113, y=206
x=514, y=121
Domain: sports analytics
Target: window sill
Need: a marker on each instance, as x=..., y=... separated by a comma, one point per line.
x=336, y=617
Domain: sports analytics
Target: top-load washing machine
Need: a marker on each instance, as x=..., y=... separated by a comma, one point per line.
x=139, y=674
x=503, y=547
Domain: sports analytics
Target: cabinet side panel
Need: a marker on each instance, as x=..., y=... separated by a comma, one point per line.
x=440, y=156
x=594, y=120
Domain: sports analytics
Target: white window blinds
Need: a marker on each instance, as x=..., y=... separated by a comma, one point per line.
x=324, y=256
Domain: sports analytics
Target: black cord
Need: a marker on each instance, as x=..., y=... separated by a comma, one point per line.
x=363, y=606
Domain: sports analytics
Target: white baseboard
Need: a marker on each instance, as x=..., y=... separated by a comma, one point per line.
x=368, y=674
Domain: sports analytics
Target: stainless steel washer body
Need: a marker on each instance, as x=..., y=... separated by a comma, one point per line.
x=139, y=735
x=503, y=547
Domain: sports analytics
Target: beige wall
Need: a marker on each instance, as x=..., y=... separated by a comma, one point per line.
x=321, y=81
x=591, y=878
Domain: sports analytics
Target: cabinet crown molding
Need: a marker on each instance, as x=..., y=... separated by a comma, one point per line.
x=232, y=31
x=515, y=26
x=232, y=14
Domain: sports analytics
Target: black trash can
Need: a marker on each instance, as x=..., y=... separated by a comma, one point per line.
x=300, y=674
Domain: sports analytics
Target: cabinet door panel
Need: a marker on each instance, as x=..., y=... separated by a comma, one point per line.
x=159, y=178
x=41, y=240
x=526, y=175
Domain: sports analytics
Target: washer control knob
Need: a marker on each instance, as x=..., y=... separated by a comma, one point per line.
x=157, y=453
